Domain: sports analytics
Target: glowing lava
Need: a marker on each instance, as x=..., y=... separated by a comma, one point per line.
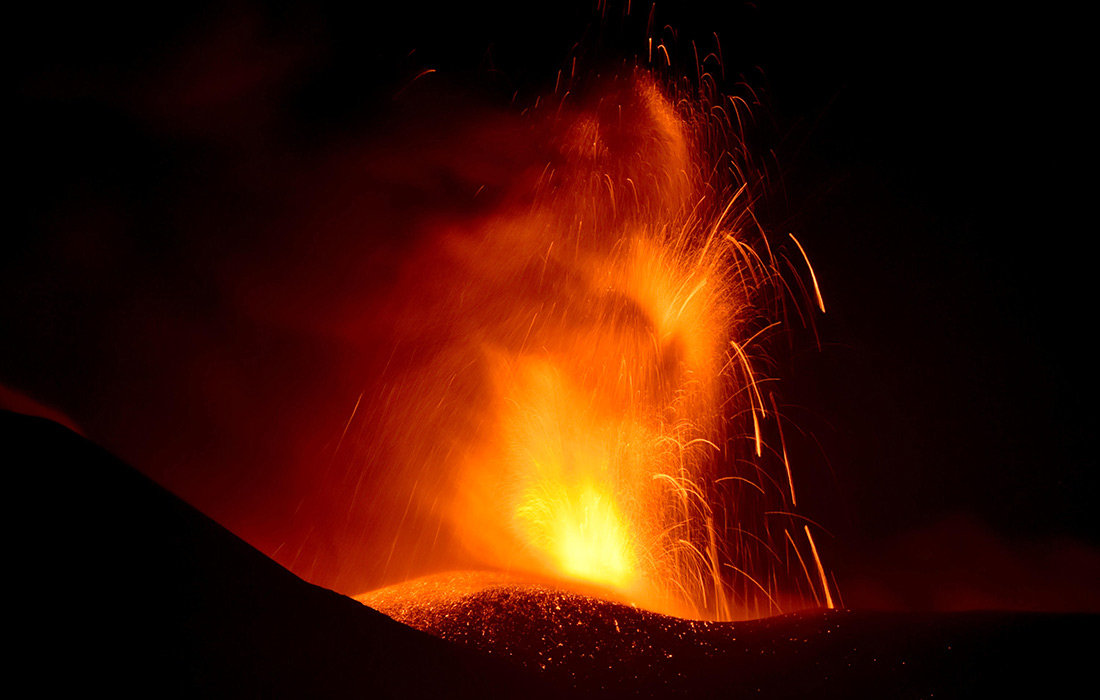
x=594, y=402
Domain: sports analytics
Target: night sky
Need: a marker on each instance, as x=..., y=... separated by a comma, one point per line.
x=933, y=162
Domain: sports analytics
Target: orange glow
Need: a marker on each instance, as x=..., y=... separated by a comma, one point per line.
x=595, y=409
x=582, y=531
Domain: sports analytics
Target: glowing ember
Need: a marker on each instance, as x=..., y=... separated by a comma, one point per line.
x=592, y=404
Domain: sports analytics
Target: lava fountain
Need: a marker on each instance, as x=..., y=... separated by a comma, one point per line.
x=583, y=393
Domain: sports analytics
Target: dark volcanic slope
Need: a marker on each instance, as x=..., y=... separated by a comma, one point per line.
x=121, y=587
x=609, y=649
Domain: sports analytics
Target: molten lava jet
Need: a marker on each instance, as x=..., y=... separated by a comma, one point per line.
x=581, y=389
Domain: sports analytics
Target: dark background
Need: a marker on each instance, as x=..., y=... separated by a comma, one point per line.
x=935, y=163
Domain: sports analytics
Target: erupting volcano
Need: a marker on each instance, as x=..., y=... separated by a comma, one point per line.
x=591, y=401
x=451, y=367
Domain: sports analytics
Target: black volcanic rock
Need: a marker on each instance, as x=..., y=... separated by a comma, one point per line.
x=122, y=588
x=609, y=649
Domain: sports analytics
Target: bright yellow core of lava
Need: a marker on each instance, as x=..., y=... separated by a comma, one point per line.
x=567, y=496
x=582, y=531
